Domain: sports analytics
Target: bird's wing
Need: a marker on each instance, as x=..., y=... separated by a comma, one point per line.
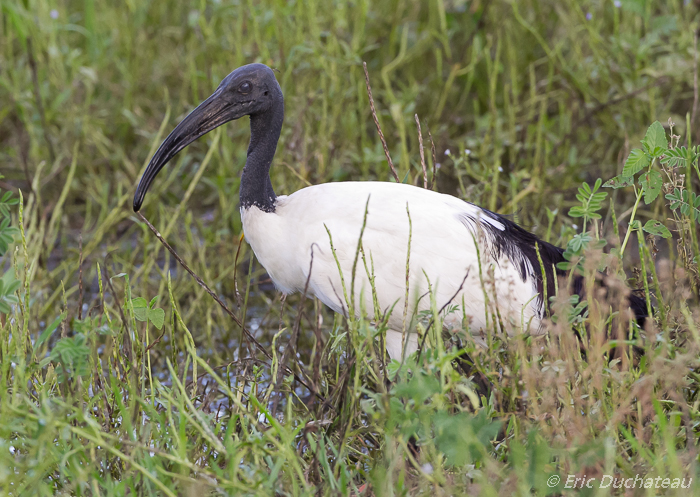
x=442, y=232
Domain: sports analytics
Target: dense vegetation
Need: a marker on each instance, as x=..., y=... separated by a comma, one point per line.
x=118, y=373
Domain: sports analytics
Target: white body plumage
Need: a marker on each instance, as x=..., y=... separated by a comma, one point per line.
x=443, y=231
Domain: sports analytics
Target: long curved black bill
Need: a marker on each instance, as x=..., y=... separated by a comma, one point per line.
x=208, y=115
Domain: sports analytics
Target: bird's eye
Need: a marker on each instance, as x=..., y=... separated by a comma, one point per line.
x=245, y=87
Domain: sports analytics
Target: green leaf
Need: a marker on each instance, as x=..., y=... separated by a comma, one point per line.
x=577, y=211
x=10, y=283
x=655, y=141
x=419, y=388
x=12, y=299
x=157, y=317
x=139, y=302
x=464, y=438
x=579, y=242
x=688, y=202
x=140, y=308
x=636, y=161
x=8, y=286
x=73, y=354
x=676, y=199
x=651, y=185
x=7, y=233
x=49, y=330
x=591, y=201
x=678, y=156
x=619, y=182
x=6, y=201
x=144, y=311
x=656, y=228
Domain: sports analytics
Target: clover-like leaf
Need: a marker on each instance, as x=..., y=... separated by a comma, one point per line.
x=140, y=306
x=157, y=317
x=651, y=185
x=144, y=311
x=654, y=141
x=636, y=161
x=657, y=228
x=619, y=182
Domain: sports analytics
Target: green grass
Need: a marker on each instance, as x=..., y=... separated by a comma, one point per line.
x=530, y=99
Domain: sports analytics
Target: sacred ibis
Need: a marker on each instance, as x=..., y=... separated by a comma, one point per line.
x=477, y=261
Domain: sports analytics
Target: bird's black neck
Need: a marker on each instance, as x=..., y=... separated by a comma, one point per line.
x=265, y=128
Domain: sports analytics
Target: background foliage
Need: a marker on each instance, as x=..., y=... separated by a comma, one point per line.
x=103, y=334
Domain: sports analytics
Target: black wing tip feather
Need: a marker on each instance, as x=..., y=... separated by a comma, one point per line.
x=521, y=246
x=638, y=304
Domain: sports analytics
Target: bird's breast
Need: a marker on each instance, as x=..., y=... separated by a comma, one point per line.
x=275, y=246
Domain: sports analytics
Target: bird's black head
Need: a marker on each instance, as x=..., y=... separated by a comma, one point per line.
x=247, y=91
